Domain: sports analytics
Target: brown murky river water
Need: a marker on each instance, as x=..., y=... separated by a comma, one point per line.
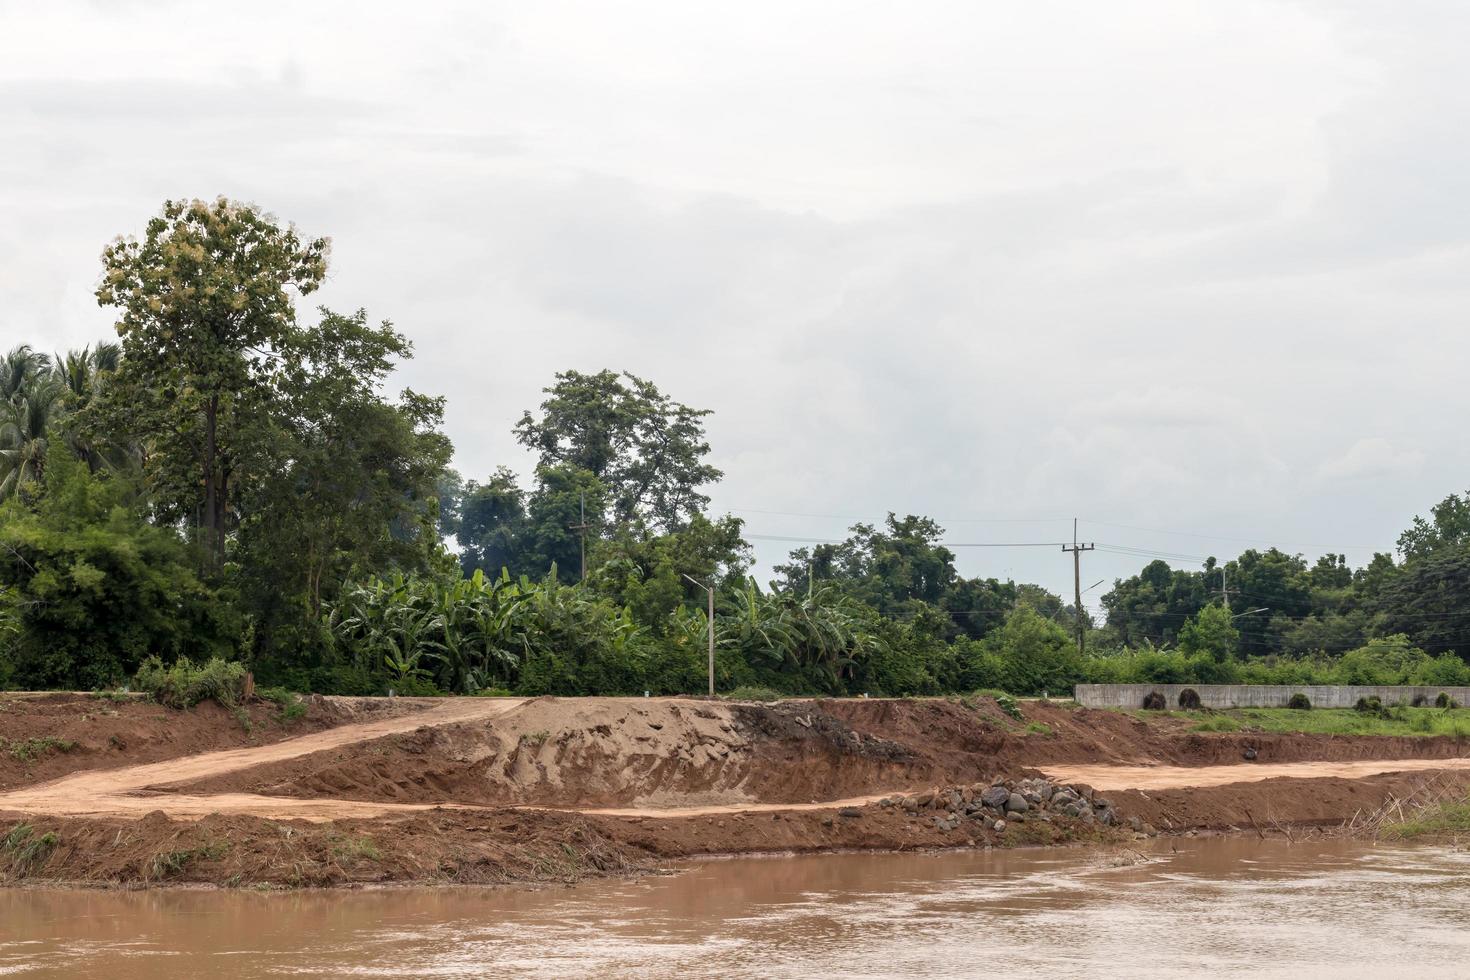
x=1216, y=907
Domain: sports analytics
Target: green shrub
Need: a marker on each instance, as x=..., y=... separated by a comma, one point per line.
x=749, y=693
x=1445, y=701
x=183, y=685
x=1003, y=701
x=1300, y=702
x=494, y=692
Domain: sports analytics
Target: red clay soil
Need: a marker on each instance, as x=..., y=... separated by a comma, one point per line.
x=698, y=773
x=491, y=846
x=588, y=753
x=44, y=736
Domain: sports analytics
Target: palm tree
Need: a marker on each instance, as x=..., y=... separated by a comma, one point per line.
x=85, y=371
x=25, y=419
x=18, y=368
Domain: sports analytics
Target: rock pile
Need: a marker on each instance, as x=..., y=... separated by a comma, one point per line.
x=993, y=805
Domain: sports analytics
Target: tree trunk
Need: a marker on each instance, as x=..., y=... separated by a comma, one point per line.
x=215, y=479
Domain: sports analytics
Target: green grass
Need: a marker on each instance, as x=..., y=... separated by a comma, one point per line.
x=1038, y=728
x=170, y=863
x=26, y=849
x=748, y=693
x=357, y=849
x=1441, y=820
x=31, y=749
x=1328, y=721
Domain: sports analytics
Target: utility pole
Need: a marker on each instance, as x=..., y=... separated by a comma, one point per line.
x=1076, y=550
x=581, y=530
x=710, y=592
x=1224, y=588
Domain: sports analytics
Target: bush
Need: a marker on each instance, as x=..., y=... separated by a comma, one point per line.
x=1189, y=699
x=1300, y=702
x=1368, y=705
x=184, y=685
x=750, y=693
x=1154, y=701
x=1445, y=701
x=1003, y=701
x=1419, y=701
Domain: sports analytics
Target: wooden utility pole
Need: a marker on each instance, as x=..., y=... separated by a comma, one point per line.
x=1076, y=550
x=581, y=530
x=1224, y=588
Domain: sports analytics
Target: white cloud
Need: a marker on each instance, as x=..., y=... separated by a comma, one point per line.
x=1150, y=263
x=1371, y=457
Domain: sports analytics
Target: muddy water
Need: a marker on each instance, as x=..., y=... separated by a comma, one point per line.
x=1223, y=908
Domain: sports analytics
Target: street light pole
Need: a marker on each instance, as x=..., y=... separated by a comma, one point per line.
x=710, y=592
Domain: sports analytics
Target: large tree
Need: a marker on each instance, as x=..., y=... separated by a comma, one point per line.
x=352, y=486
x=204, y=302
x=646, y=449
x=1448, y=528
x=94, y=588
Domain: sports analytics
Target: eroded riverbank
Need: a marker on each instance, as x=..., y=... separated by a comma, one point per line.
x=491, y=791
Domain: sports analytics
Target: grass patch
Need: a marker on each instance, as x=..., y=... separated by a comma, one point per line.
x=26, y=848
x=357, y=849
x=170, y=863
x=31, y=749
x=292, y=705
x=1004, y=702
x=1440, y=820
x=1422, y=722
x=1038, y=728
x=748, y=693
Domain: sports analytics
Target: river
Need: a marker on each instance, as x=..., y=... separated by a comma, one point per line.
x=1222, y=907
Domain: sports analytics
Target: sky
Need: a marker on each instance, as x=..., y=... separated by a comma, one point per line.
x=1192, y=273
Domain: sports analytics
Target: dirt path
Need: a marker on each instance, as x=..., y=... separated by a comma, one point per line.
x=165, y=786
x=135, y=790
x=1183, y=777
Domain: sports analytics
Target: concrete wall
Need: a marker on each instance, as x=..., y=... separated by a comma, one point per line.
x=1256, y=695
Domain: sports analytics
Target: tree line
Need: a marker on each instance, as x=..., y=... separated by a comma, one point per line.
x=232, y=479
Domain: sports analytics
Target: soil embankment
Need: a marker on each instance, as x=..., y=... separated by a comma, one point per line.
x=476, y=790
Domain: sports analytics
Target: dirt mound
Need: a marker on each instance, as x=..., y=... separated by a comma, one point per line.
x=45, y=736
x=633, y=752
x=600, y=753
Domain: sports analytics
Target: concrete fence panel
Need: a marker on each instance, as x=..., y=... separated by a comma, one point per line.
x=1258, y=695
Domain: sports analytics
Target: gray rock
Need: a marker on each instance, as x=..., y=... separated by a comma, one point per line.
x=999, y=826
x=955, y=799
x=995, y=796
x=851, y=812
x=1135, y=824
x=1107, y=817
x=1017, y=804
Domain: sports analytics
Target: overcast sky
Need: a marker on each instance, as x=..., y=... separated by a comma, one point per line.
x=1196, y=267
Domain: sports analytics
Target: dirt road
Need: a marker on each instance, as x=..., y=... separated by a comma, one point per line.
x=1186, y=777
x=136, y=790
x=617, y=736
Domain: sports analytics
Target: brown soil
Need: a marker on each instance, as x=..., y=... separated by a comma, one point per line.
x=44, y=736
x=500, y=789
